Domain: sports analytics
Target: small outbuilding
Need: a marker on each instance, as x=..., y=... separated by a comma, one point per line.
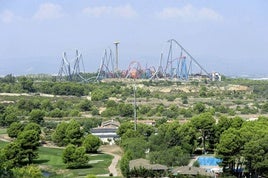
x=192, y=171
x=141, y=163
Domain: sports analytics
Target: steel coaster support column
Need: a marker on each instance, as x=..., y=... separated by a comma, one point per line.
x=184, y=73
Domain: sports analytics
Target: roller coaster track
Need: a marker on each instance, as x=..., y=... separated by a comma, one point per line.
x=176, y=63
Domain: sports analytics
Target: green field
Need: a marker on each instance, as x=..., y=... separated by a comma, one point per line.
x=50, y=159
x=2, y=143
x=3, y=130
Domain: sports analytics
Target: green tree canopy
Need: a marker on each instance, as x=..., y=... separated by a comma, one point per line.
x=124, y=163
x=27, y=171
x=85, y=105
x=13, y=155
x=199, y=108
x=8, y=115
x=36, y=116
x=229, y=147
x=33, y=126
x=59, y=135
x=245, y=144
x=75, y=157
x=142, y=129
x=74, y=133
x=125, y=110
x=46, y=105
x=205, y=124
x=26, y=84
x=14, y=129
x=29, y=141
x=136, y=145
x=68, y=133
x=91, y=143
x=99, y=95
x=173, y=156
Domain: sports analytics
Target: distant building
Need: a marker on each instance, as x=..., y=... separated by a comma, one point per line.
x=144, y=163
x=107, y=131
x=191, y=171
x=216, y=76
x=147, y=122
x=110, y=124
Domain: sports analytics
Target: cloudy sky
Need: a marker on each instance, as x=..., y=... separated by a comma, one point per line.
x=224, y=35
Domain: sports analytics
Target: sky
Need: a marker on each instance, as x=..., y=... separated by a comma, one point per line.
x=226, y=36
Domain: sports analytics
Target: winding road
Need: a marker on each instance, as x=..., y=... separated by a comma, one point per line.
x=116, y=152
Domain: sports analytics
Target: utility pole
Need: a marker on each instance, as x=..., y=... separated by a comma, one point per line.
x=116, y=55
x=135, y=109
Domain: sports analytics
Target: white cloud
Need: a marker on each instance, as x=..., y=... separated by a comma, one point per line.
x=209, y=14
x=189, y=13
x=48, y=11
x=7, y=16
x=123, y=11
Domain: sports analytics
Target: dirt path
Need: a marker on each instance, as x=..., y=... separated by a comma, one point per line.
x=112, y=167
x=116, y=152
x=192, y=160
x=5, y=138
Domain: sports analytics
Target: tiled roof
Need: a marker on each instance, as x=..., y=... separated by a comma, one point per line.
x=187, y=170
x=103, y=130
x=137, y=163
x=110, y=123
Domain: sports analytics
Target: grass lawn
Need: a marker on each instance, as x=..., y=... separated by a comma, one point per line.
x=3, y=130
x=51, y=158
x=101, y=167
x=2, y=143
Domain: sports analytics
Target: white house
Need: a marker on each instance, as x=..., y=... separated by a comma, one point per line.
x=107, y=131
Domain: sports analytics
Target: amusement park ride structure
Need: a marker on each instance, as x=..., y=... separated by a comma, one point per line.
x=175, y=64
x=71, y=70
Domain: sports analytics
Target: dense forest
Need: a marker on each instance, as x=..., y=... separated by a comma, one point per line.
x=228, y=119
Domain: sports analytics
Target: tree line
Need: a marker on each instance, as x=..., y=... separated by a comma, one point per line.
x=23, y=150
x=241, y=145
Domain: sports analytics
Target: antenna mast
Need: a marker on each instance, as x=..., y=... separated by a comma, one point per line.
x=135, y=109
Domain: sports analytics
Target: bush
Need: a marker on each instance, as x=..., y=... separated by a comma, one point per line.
x=95, y=111
x=74, y=113
x=14, y=129
x=91, y=176
x=85, y=105
x=184, y=101
x=196, y=164
x=37, y=116
x=56, y=113
x=171, y=97
x=99, y=95
x=27, y=171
